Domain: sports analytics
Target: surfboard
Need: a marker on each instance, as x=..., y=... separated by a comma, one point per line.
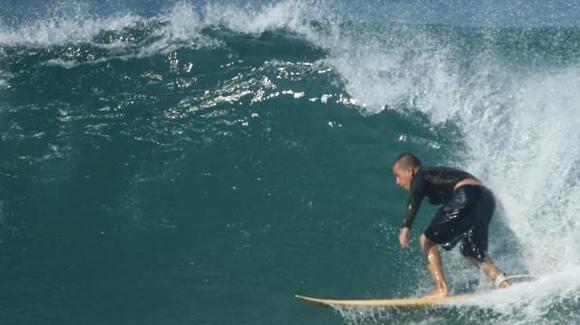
x=402, y=302
x=384, y=303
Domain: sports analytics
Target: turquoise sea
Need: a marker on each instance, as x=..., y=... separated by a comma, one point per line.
x=193, y=162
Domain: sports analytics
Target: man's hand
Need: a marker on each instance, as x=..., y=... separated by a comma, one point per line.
x=404, y=237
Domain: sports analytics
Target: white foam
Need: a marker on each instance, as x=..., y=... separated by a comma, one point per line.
x=291, y=15
x=529, y=151
x=529, y=302
x=59, y=30
x=184, y=23
x=180, y=26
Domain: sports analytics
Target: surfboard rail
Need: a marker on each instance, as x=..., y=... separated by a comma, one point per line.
x=401, y=302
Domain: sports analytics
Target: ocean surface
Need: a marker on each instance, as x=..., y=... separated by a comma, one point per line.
x=199, y=162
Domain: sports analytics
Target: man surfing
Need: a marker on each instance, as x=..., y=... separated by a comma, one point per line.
x=467, y=208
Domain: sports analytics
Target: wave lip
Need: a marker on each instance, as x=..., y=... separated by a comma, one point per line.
x=59, y=31
x=180, y=23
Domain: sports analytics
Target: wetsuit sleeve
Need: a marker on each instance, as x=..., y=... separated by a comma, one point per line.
x=415, y=198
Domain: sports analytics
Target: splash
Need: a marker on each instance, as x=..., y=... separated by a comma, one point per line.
x=181, y=22
x=519, y=125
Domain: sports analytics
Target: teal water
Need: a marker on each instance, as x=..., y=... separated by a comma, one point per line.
x=204, y=163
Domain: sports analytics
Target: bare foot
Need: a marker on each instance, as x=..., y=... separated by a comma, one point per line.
x=501, y=281
x=436, y=293
x=505, y=284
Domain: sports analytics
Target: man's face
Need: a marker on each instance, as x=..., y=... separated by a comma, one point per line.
x=403, y=176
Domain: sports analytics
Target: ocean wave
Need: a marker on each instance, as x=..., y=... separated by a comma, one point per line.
x=59, y=31
x=512, y=94
x=181, y=23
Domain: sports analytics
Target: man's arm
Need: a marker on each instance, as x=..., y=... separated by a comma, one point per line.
x=404, y=237
x=413, y=204
x=415, y=198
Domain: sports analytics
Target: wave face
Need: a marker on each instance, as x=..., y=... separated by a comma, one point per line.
x=201, y=162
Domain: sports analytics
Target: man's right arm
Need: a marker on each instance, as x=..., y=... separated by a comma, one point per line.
x=415, y=198
x=404, y=237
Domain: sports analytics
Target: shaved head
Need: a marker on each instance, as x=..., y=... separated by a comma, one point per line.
x=406, y=160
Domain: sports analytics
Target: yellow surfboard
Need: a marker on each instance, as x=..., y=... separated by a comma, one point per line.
x=401, y=302
x=385, y=303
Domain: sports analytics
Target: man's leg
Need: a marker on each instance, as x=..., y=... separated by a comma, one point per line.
x=490, y=270
x=433, y=261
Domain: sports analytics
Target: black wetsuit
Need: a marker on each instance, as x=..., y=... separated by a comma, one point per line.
x=465, y=213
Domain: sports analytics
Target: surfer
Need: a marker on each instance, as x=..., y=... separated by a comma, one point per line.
x=467, y=208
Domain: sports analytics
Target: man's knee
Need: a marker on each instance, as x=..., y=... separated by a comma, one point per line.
x=474, y=254
x=425, y=242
